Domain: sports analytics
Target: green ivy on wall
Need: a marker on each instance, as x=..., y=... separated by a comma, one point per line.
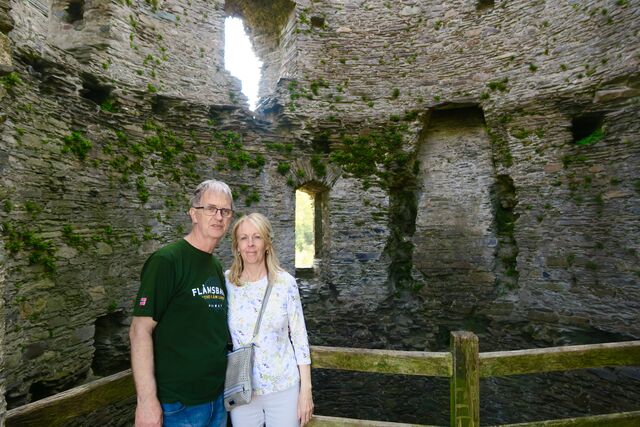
x=23, y=239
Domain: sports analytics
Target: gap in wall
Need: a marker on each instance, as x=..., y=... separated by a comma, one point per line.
x=240, y=59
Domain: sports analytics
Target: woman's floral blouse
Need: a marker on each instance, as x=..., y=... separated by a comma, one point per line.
x=281, y=344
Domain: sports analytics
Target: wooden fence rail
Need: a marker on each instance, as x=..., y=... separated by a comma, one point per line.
x=463, y=365
x=59, y=409
x=502, y=363
x=382, y=361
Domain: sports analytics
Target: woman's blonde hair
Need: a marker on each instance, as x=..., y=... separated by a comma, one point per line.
x=271, y=259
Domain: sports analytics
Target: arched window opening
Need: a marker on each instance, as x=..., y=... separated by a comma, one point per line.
x=311, y=221
x=587, y=129
x=240, y=59
x=305, y=237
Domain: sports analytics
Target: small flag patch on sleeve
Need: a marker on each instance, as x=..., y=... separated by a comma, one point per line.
x=143, y=301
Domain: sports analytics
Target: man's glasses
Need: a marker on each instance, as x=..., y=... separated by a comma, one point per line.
x=213, y=210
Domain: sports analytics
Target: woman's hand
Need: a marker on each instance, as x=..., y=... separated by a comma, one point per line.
x=305, y=405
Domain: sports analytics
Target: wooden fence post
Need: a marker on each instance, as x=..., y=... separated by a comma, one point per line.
x=465, y=380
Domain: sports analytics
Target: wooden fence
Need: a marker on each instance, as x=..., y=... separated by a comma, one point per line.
x=463, y=365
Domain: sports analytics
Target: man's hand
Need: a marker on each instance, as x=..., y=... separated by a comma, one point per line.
x=149, y=414
x=148, y=410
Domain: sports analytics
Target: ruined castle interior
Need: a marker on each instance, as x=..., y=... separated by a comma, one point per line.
x=471, y=164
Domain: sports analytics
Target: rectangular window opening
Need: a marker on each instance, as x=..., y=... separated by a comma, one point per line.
x=305, y=230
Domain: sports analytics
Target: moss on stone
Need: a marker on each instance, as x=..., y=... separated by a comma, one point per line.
x=501, y=151
x=40, y=251
x=11, y=80
x=77, y=144
x=72, y=238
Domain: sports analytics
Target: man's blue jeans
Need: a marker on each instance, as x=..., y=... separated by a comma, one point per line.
x=210, y=414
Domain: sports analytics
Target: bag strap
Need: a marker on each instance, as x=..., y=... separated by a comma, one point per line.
x=267, y=292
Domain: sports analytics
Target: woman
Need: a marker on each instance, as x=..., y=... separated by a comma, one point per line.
x=282, y=365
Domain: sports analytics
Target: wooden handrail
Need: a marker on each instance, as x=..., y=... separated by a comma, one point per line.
x=462, y=365
x=382, y=361
x=621, y=419
x=501, y=363
x=59, y=409
x=323, y=421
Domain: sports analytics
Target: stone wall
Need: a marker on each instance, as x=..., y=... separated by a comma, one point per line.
x=88, y=195
x=6, y=66
x=444, y=144
x=2, y=335
x=122, y=44
x=541, y=200
x=434, y=51
x=455, y=220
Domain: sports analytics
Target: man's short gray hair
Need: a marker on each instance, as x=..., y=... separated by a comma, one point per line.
x=210, y=185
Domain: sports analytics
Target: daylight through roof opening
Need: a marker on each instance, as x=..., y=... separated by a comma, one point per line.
x=240, y=59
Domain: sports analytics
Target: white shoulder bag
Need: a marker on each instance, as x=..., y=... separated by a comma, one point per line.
x=237, y=384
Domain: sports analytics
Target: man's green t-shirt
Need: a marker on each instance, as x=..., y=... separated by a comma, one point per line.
x=183, y=289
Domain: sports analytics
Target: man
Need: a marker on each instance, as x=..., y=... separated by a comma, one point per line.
x=179, y=331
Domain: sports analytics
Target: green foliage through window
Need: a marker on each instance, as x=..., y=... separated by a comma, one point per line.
x=591, y=139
